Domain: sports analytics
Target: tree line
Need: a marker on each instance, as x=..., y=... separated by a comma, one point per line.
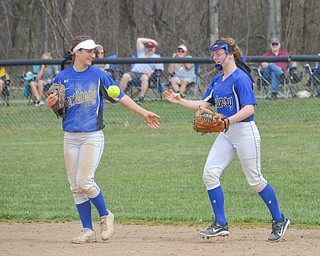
x=31, y=27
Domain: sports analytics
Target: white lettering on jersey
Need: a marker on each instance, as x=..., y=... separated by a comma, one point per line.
x=81, y=97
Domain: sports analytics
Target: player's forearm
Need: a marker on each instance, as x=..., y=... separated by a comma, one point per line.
x=192, y=104
x=143, y=40
x=127, y=102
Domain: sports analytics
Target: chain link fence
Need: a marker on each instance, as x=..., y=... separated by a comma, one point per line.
x=298, y=92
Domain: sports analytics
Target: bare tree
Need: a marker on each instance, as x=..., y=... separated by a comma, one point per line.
x=30, y=27
x=68, y=10
x=23, y=29
x=213, y=20
x=127, y=23
x=310, y=32
x=274, y=19
x=5, y=24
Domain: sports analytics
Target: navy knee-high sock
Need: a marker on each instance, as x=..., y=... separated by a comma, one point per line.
x=217, y=202
x=100, y=204
x=84, y=211
x=269, y=197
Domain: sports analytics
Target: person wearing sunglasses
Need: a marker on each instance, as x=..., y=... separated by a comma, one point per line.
x=272, y=71
x=142, y=72
x=231, y=93
x=181, y=74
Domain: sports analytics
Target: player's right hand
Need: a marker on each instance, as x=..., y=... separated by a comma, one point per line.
x=152, y=119
x=172, y=96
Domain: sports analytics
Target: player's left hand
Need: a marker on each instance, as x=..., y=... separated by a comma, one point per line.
x=151, y=119
x=172, y=97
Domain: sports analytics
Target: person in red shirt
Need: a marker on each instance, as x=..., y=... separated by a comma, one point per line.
x=273, y=70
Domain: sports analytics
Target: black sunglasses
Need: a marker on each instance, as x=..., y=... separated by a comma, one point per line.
x=180, y=50
x=274, y=44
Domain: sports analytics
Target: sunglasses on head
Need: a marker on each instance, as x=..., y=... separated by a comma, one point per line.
x=274, y=44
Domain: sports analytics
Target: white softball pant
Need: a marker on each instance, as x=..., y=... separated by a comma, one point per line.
x=82, y=154
x=244, y=140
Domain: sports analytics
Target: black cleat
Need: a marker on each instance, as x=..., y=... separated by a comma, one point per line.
x=279, y=228
x=216, y=229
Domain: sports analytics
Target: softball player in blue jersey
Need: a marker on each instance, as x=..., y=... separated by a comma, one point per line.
x=86, y=87
x=232, y=94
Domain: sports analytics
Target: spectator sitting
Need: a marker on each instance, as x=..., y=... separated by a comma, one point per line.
x=146, y=48
x=101, y=54
x=30, y=79
x=317, y=69
x=4, y=80
x=273, y=70
x=45, y=75
x=182, y=73
x=315, y=79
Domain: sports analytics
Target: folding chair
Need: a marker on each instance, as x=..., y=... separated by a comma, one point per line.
x=36, y=69
x=5, y=83
x=155, y=83
x=132, y=87
x=5, y=93
x=314, y=80
x=264, y=85
x=26, y=80
x=196, y=84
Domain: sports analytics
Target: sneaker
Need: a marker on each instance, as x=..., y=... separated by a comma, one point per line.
x=216, y=229
x=41, y=102
x=37, y=103
x=107, y=227
x=279, y=229
x=87, y=235
x=140, y=100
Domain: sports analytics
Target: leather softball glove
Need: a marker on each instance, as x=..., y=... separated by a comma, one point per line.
x=205, y=120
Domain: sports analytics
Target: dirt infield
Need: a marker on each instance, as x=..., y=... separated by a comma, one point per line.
x=53, y=239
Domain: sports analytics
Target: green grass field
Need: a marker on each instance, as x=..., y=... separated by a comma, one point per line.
x=156, y=175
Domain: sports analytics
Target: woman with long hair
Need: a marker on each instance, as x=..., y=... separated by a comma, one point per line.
x=231, y=93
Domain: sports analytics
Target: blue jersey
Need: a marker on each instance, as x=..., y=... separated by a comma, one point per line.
x=232, y=94
x=85, y=92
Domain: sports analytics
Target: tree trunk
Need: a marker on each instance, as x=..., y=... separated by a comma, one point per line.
x=22, y=32
x=213, y=20
x=126, y=24
x=274, y=19
x=67, y=18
